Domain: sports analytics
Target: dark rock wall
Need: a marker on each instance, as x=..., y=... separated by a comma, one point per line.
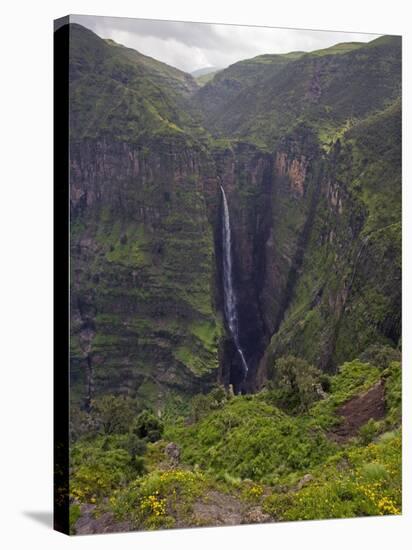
x=142, y=268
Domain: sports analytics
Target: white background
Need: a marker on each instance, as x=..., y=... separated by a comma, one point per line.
x=26, y=273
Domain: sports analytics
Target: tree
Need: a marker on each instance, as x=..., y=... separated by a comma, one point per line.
x=295, y=383
x=136, y=448
x=114, y=413
x=200, y=406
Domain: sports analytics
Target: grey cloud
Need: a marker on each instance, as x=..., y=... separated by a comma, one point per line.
x=190, y=46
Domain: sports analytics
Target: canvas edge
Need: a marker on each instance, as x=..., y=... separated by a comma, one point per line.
x=61, y=275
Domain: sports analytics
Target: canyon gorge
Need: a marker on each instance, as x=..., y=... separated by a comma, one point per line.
x=302, y=152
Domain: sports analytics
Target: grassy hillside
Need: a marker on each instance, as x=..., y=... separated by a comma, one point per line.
x=128, y=96
x=205, y=78
x=243, y=457
x=264, y=97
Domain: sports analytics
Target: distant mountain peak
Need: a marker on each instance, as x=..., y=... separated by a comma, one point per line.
x=205, y=70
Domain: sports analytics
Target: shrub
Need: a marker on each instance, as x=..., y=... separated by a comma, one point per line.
x=113, y=413
x=380, y=356
x=232, y=481
x=252, y=492
x=218, y=397
x=374, y=471
x=96, y=476
x=148, y=427
x=366, y=483
x=393, y=393
x=250, y=438
x=158, y=499
x=200, y=406
x=103, y=463
x=133, y=445
x=295, y=382
x=368, y=431
x=81, y=423
x=74, y=514
x=388, y=436
x=325, y=382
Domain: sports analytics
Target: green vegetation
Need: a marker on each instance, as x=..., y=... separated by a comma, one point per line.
x=205, y=78
x=296, y=383
x=142, y=250
x=156, y=500
x=146, y=97
x=357, y=482
x=247, y=449
x=273, y=93
x=308, y=147
x=148, y=427
x=251, y=438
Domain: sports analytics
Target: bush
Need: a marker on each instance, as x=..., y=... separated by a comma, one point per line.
x=361, y=482
x=97, y=475
x=74, y=514
x=200, y=406
x=393, y=393
x=134, y=445
x=251, y=438
x=218, y=397
x=380, y=356
x=295, y=383
x=252, y=492
x=104, y=463
x=81, y=423
x=156, y=500
x=113, y=413
x=374, y=471
x=325, y=382
x=368, y=431
x=136, y=448
x=148, y=427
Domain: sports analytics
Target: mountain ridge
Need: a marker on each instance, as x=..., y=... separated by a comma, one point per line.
x=142, y=121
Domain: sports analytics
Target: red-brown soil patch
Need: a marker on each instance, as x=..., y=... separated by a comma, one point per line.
x=358, y=410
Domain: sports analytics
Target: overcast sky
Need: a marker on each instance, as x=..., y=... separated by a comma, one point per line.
x=191, y=46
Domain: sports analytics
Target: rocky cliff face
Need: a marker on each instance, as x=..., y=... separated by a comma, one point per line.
x=142, y=268
x=314, y=199
x=270, y=194
x=346, y=291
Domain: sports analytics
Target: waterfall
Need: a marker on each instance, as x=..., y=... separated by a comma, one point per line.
x=229, y=296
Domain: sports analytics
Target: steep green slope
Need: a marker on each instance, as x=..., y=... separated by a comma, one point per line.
x=160, y=73
x=120, y=92
x=309, y=157
x=205, y=78
x=217, y=94
x=326, y=89
x=349, y=292
x=142, y=255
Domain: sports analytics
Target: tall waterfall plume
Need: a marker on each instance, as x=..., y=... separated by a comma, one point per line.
x=230, y=305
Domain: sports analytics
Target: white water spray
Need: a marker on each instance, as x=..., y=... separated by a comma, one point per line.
x=230, y=305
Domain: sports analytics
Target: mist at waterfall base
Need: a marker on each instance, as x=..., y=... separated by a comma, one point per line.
x=229, y=295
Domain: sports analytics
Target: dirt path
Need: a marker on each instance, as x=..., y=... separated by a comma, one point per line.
x=212, y=509
x=358, y=410
x=218, y=508
x=88, y=524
